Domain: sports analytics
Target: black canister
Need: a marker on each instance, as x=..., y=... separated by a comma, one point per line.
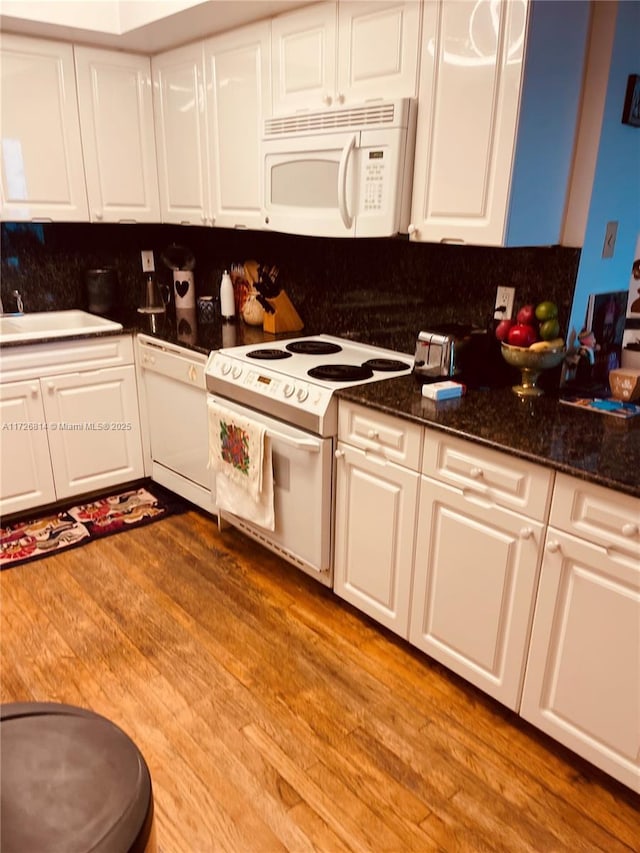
x=101, y=289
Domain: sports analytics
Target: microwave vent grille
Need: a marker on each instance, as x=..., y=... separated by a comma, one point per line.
x=368, y=115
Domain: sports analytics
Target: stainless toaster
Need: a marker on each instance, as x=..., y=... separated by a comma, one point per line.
x=438, y=352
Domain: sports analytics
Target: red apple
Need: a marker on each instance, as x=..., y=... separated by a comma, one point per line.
x=522, y=335
x=502, y=329
x=526, y=316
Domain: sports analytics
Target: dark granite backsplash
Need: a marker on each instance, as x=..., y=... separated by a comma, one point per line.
x=383, y=290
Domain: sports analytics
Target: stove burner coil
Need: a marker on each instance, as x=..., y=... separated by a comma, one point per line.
x=341, y=372
x=313, y=347
x=268, y=354
x=385, y=364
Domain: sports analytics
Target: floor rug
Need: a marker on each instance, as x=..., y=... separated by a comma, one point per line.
x=50, y=533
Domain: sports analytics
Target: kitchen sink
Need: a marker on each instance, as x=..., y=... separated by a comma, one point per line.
x=41, y=325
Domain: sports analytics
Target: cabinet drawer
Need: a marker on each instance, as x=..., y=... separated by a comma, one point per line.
x=502, y=479
x=390, y=437
x=68, y=356
x=595, y=513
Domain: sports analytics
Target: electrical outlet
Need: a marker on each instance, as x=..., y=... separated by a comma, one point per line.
x=148, y=264
x=505, y=300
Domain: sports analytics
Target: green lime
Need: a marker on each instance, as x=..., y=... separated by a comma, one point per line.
x=550, y=329
x=546, y=311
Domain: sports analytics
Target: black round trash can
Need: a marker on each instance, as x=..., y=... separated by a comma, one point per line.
x=71, y=782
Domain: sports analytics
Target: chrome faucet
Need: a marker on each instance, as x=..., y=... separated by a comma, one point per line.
x=19, y=305
x=19, y=302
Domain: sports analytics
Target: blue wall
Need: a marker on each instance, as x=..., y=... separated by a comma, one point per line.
x=616, y=188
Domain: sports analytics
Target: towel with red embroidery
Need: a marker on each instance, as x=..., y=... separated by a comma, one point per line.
x=240, y=454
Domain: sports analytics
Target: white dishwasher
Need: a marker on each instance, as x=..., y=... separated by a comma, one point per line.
x=173, y=404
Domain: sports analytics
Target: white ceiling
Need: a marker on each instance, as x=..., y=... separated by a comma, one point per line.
x=142, y=26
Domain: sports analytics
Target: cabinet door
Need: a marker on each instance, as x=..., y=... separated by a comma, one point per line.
x=470, y=74
x=487, y=169
x=39, y=104
x=238, y=98
x=26, y=479
x=375, y=523
x=475, y=575
x=181, y=135
x=303, y=45
x=118, y=140
x=583, y=673
x=96, y=441
x=377, y=50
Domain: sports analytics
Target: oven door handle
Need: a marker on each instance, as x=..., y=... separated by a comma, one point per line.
x=308, y=444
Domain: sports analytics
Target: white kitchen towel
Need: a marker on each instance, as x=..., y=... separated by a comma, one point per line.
x=240, y=454
x=231, y=497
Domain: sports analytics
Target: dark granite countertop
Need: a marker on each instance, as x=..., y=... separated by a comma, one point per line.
x=184, y=331
x=593, y=446
x=596, y=447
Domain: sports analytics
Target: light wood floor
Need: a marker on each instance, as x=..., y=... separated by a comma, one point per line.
x=275, y=717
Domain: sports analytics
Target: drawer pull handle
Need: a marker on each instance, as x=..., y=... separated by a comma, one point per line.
x=373, y=434
x=34, y=390
x=553, y=547
x=475, y=473
x=51, y=387
x=339, y=454
x=526, y=533
x=629, y=529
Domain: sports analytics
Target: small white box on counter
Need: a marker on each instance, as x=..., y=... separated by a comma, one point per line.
x=446, y=390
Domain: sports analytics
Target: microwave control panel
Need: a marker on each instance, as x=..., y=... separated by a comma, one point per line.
x=374, y=181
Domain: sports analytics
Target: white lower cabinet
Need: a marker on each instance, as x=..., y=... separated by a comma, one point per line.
x=582, y=685
x=97, y=441
x=26, y=478
x=475, y=575
x=69, y=421
x=524, y=582
x=376, y=501
x=375, y=518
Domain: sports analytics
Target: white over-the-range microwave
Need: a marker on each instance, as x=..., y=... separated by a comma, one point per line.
x=342, y=172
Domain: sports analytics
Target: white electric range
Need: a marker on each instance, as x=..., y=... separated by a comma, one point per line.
x=296, y=380
x=289, y=387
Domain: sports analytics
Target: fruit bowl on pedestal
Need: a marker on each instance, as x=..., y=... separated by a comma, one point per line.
x=531, y=363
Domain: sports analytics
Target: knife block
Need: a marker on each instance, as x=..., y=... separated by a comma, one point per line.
x=285, y=318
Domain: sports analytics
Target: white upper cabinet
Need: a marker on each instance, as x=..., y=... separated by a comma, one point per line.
x=378, y=50
x=330, y=54
x=499, y=96
x=238, y=98
x=182, y=139
x=303, y=46
x=39, y=103
x=116, y=121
